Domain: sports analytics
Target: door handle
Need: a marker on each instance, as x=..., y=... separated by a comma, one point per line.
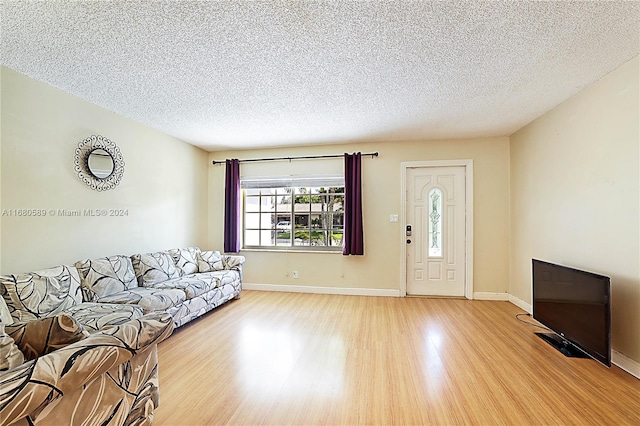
x=408, y=241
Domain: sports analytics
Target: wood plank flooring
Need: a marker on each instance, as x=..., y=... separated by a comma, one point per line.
x=305, y=359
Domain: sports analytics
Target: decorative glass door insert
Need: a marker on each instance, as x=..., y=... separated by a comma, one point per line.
x=435, y=222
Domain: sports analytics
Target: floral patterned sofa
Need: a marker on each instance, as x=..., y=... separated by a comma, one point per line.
x=185, y=283
x=73, y=377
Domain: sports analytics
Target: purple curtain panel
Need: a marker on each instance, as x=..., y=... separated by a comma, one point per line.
x=353, y=233
x=232, y=206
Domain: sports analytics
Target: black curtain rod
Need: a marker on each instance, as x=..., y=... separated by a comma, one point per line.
x=308, y=157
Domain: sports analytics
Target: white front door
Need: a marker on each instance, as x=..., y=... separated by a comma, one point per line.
x=436, y=245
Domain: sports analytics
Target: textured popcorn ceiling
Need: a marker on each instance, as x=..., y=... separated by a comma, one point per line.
x=240, y=74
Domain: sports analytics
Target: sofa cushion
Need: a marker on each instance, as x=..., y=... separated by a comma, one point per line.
x=220, y=277
x=186, y=259
x=210, y=261
x=104, y=276
x=41, y=293
x=150, y=299
x=151, y=268
x=45, y=335
x=96, y=316
x=192, y=285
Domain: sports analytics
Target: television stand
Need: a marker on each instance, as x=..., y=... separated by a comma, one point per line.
x=563, y=346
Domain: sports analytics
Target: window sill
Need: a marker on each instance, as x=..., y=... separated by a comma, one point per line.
x=266, y=250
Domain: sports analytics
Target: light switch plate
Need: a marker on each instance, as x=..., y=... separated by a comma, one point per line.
x=393, y=218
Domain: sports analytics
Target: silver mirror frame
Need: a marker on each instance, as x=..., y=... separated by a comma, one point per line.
x=84, y=149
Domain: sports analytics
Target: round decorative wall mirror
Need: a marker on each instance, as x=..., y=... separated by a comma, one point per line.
x=99, y=163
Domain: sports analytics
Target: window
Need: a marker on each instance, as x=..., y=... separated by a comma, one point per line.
x=293, y=213
x=435, y=222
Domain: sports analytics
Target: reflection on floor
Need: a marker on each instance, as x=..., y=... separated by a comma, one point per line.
x=287, y=358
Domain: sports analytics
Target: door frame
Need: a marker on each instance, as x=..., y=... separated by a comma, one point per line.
x=468, y=246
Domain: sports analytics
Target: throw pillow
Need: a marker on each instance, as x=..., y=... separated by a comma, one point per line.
x=210, y=261
x=153, y=268
x=186, y=259
x=41, y=293
x=106, y=276
x=43, y=336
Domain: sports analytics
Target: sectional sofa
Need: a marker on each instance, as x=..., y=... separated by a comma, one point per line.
x=81, y=340
x=185, y=283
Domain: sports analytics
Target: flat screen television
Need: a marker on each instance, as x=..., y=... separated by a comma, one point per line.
x=576, y=306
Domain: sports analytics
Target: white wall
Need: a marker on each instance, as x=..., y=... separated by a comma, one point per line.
x=575, y=195
x=380, y=267
x=164, y=187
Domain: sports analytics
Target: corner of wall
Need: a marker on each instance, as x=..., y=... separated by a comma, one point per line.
x=1, y=179
x=586, y=145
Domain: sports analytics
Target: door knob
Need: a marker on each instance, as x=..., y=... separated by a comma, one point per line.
x=408, y=241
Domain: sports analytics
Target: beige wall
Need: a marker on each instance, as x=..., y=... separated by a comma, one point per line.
x=380, y=267
x=1, y=137
x=574, y=195
x=164, y=187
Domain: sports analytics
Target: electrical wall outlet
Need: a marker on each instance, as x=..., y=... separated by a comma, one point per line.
x=295, y=275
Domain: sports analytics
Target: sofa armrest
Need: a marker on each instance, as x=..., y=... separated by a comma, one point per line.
x=35, y=384
x=233, y=261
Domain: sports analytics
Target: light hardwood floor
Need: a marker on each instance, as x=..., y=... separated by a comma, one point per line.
x=287, y=358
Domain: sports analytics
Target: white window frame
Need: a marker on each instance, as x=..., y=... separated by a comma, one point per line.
x=291, y=182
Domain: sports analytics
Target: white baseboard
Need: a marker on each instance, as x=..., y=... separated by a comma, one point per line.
x=322, y=290
x=521, y=304
x=627, y=364
x=482, y=295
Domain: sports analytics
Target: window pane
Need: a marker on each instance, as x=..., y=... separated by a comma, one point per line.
x=302, y=221
x=338, y=220
x=266, y=220
x=252, y=220
x=284, y=201
x=301, y=237
x=302, y=199
x=252, y=204
x=318, y=237
x=435, y=222
x=336, y=237
x=251, y=238
x=266, y=238
x=268, y=203
x=283, y=238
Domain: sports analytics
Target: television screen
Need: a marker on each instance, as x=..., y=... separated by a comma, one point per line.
x=575, y=305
